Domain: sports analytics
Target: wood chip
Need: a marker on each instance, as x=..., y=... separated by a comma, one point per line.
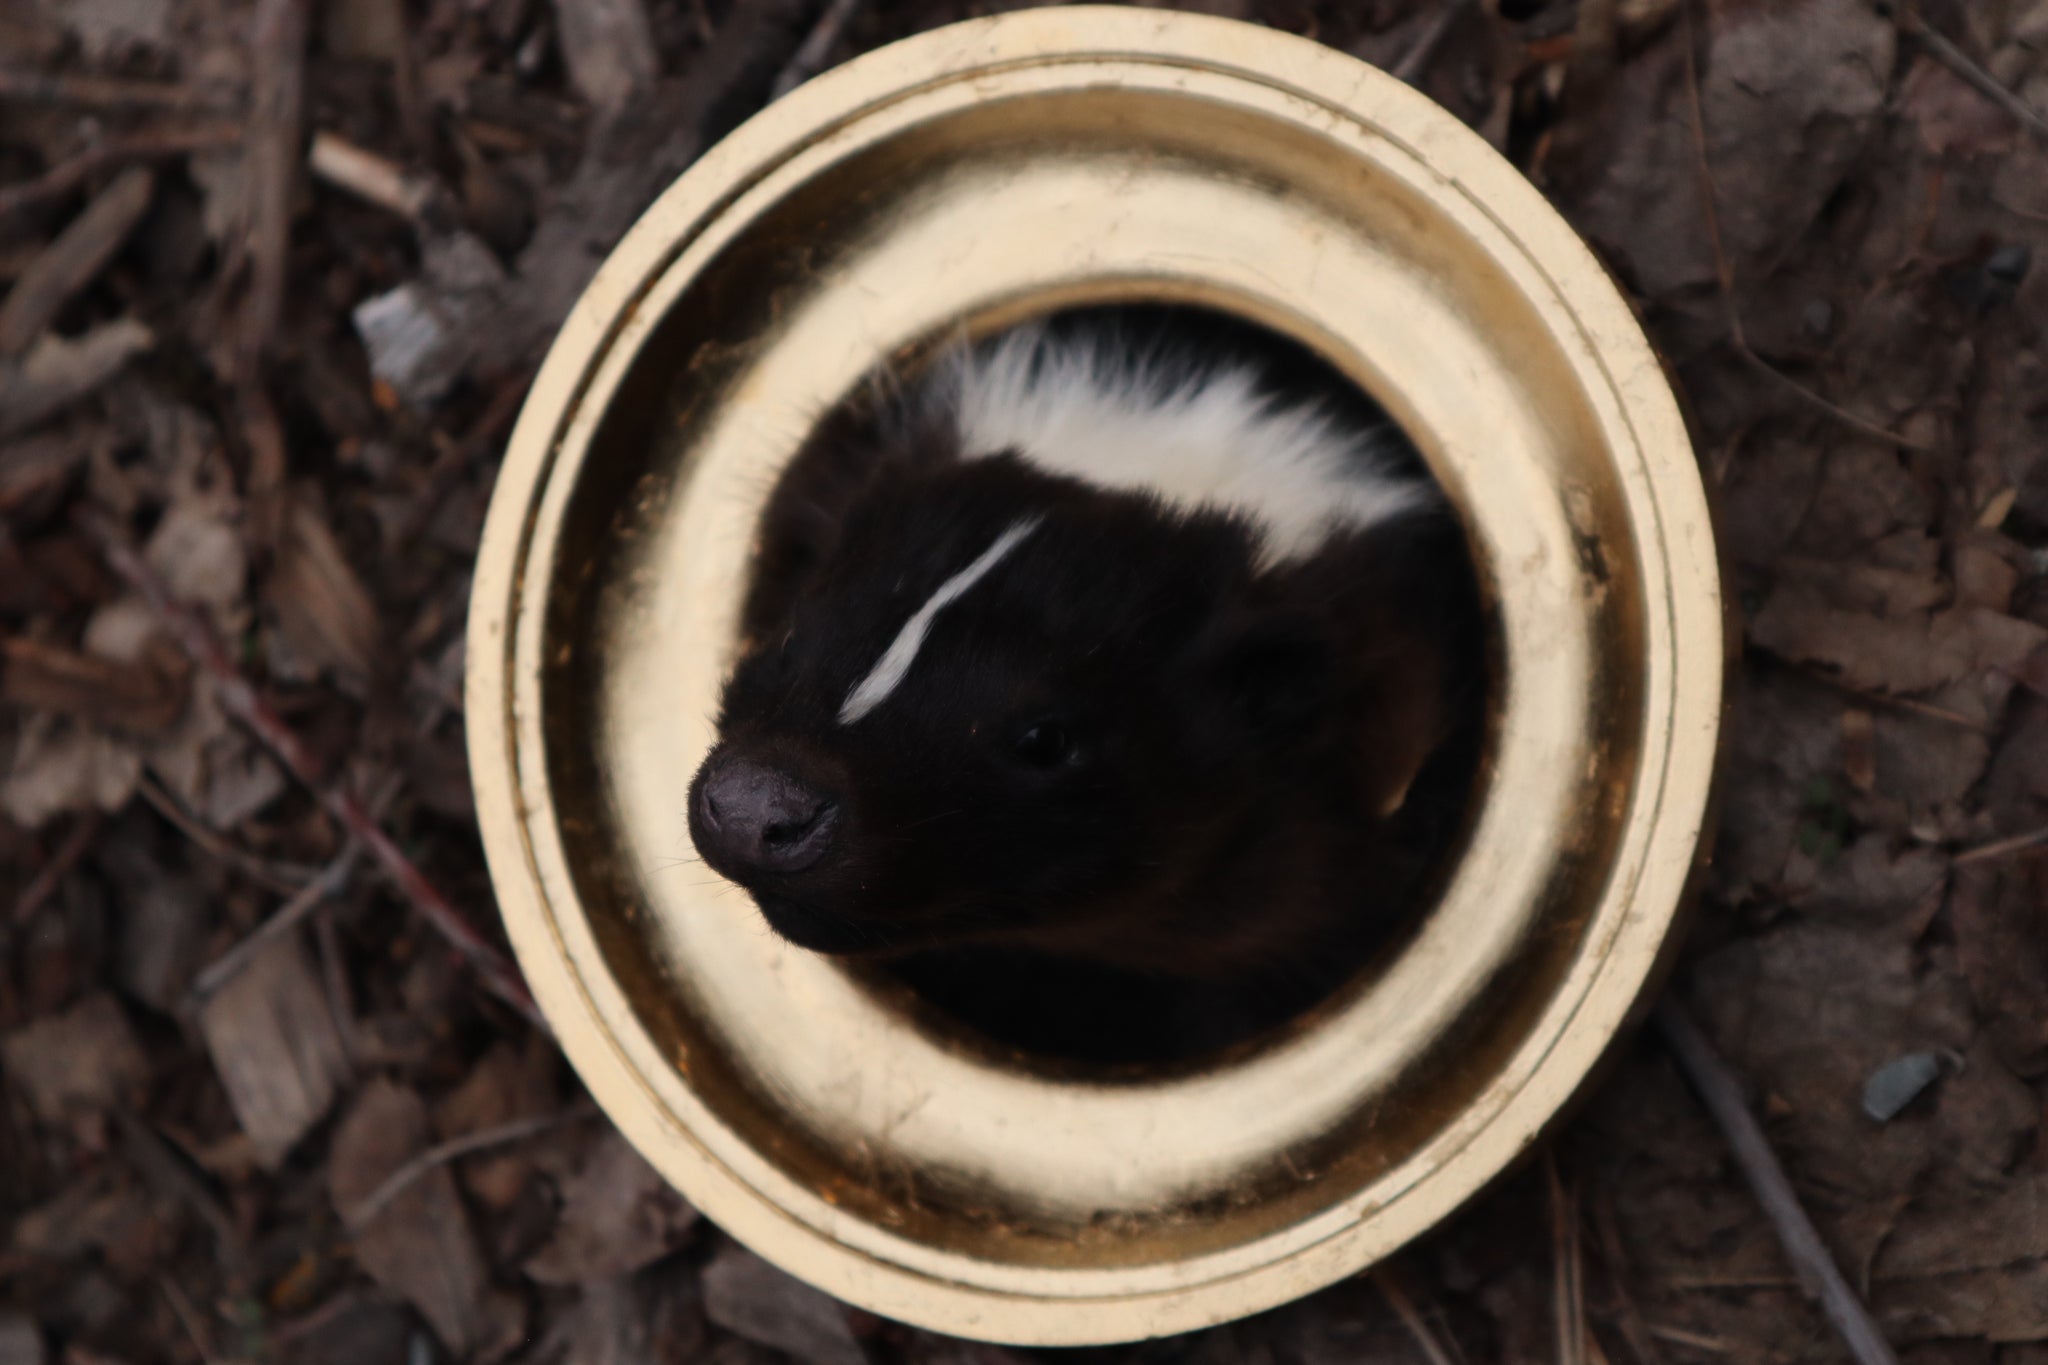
x=86, y=1058
x=363, y=173
x=747, y=1296
x=320, y=601
x=75, y=259
x=419, y=1245
x=608, y=46
x=276, y=1048
x=57, y=372
x=144, y=698
x=20, y=1342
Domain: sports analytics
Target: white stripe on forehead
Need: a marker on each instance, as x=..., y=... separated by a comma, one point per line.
x=890, y=670
x=1195, y=434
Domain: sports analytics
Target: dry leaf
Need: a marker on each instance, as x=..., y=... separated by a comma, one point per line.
x=419, y=1246
x=618, y=1215
x=746, y=1295
x=86, y=1058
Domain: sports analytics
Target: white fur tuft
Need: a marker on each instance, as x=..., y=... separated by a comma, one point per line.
x=894, y=665
x=1194, y=436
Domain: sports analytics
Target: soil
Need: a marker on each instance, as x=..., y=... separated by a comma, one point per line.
x=276, y=277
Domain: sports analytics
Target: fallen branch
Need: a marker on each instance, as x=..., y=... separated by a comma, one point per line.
x=454, y=1149
x=238, y=697
x=1818, y=1274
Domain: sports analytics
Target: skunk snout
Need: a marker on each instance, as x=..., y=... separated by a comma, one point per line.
x=748, y=816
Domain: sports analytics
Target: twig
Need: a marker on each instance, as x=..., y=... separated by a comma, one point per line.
x=238, y=697
x=106, y=92
x=188, y=1317
x=1568, y=1285
x=77, y=842
x=1724, y=272
x=285, y=879
x=2003, y=848
x=277, y=41
x=366, y=175
x=454, y=1149
x=161, y=144
x=1818, y=1274
x=75, y=258
x=1627, y=1313
x=1417, y=58
x=1397, y=1299
x=304, y=902
x=810, y=56
x=1986, y=84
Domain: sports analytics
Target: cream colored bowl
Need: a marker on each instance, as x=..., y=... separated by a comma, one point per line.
x=964, y=179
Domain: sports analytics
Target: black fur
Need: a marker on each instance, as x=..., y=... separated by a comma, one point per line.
x=1131, y=786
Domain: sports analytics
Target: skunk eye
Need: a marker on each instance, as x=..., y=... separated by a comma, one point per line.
x=1045, y=745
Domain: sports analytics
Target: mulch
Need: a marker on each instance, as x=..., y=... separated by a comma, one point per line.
x=276, y=275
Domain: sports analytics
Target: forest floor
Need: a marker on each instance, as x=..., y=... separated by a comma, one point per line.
x=276, y=275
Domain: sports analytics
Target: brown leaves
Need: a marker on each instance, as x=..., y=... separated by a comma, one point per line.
x=746, y=1295
x=419, y=1245
x=1918, y=652
x=618, y=1215
x=2000, y=914
x=84, y=1059
x=1797, y=84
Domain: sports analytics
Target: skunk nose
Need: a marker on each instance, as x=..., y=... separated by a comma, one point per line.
x=754, y=817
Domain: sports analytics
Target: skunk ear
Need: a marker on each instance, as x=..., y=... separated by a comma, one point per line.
x=1271, y=673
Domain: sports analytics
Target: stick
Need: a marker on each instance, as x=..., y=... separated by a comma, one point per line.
x=809, y=58
x=2002, y=848
x=396, y=1183
x=1818, y=1274
x=75, y=259
x=77, y=843
x=1987, y=85
x=369, y=176
x=67, y=176
x=1416, y=59
x=1404, y=1308
x=303, y=902
x=238, y=697
x=1568, y=1289
x=277, y=41
x=107, y=92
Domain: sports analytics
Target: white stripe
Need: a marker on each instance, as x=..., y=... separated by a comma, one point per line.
x=890, y=669
x=1195, y=436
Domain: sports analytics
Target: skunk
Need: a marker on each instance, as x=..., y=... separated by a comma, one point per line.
x=1087, y=685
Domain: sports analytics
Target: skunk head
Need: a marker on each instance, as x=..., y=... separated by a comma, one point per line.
x=1001, y=706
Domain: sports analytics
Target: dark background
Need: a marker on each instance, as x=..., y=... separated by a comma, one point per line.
x=1831, y=215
